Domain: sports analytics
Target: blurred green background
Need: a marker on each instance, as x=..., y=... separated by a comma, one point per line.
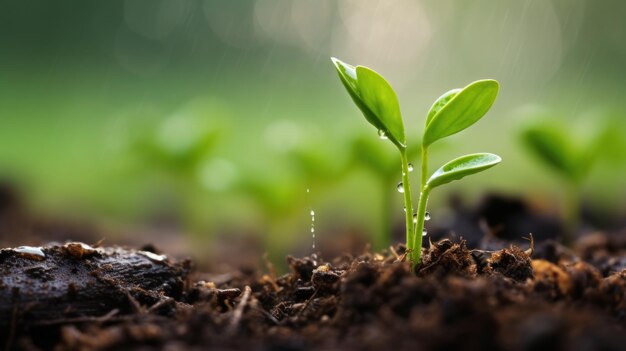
x=208, y=118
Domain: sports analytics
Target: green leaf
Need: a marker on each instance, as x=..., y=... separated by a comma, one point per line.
x=462, y=167
x=441, y=102
x=459, y=110
x=375, y=98
x=552, y=146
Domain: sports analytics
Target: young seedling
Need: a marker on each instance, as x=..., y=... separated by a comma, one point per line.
x=569, y=156
x=451, y=113
x=380, y=162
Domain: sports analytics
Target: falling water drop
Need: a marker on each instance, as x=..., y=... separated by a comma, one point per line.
x=410, y=167
x=382, y=134
x=427, y=216
x=314, y=256
x=400, y=187
x=312, y=229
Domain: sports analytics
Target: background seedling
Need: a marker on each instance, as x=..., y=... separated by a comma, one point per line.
x=451, y=113
x=380, y=161
x=572, y=157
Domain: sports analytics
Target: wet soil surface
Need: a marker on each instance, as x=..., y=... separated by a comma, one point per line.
x=76, y=297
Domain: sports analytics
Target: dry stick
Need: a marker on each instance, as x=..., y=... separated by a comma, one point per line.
x=234, y=322
x=306, y=304
x=162, y=302
x=134, y=303
x=87, y=319
x=531, y=249
x=394, y=252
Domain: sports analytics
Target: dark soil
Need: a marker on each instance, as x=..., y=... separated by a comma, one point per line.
x=72, y=296
x=83, y=298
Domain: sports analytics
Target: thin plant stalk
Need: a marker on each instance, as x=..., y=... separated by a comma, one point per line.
x=416, y=253
x=408, y=202
x=424, y=176
x=571, y=213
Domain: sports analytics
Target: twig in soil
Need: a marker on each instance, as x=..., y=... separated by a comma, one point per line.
x=87, y=319
x=98, y=243
x=267, y=315
x=270, y=267
x=394, y=252
x=238, y=312
x=134, y=303
x=531, y=249
x=308, y=302
x=162, y=302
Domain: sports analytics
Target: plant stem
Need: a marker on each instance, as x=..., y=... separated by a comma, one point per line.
x=408, y=203
x=416, y=253
x=571, y=213
x=424, y=177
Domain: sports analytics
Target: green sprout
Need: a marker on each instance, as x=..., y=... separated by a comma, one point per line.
x=451, y=113
x=571, y=157
x=380, y=162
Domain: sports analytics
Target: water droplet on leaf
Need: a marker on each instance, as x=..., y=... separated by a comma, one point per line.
x=427, y=216
x=410, y=167
x=424, y=232
x=382, y=134
x=400, y=187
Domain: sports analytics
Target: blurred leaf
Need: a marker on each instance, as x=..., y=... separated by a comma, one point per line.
x=375, y=98
x=316, y=162
x=462, y=167
x=552, y=146
x=367, y=151
x=610, y=143
x=462, y=110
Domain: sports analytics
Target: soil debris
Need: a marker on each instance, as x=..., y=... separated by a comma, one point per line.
x=457, y=299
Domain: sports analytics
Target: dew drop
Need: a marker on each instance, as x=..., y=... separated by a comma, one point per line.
x=414, y=217
x=424, y=232
x=382, y=134
x=312, y=213
x=427, y=216
x=400, y=187
x=410, y=167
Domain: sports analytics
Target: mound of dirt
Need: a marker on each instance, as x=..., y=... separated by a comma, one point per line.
x=76, y=297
